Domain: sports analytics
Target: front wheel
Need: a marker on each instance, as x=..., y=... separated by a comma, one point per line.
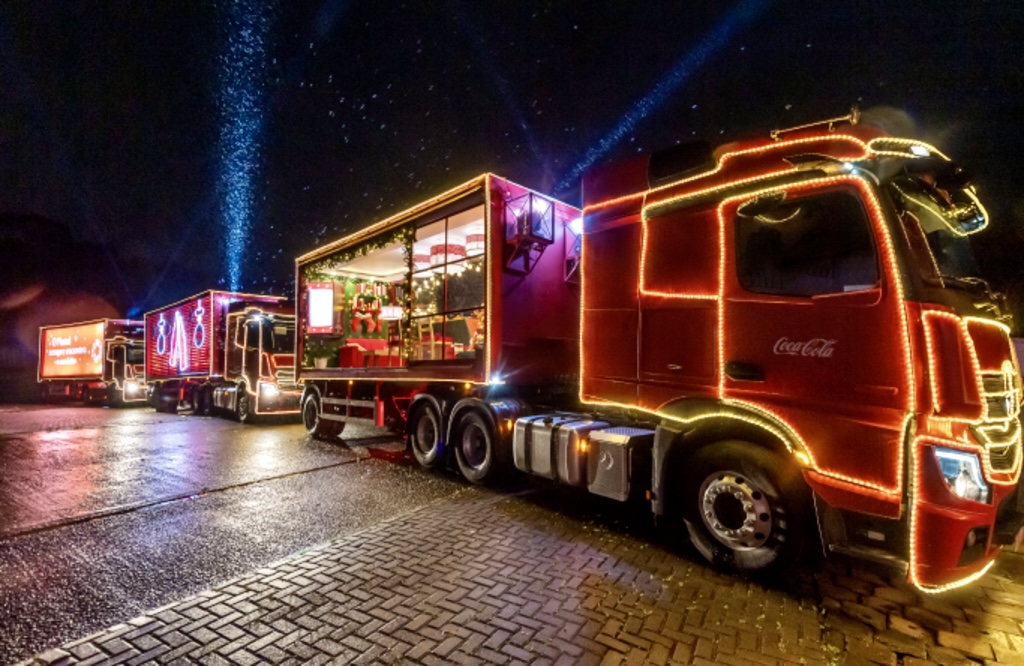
x=426, y=436
x=745, y=508
x=244, y=409
x=312, y=420
x=115, y=396
x=474, y=449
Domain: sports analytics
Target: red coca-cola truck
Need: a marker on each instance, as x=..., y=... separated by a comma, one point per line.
x=97, y=361
x=223, y=352
x=778, y=342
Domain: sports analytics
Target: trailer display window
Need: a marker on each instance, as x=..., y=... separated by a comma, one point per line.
x=448, y=288
x=355, y=299
x=414, y=294
x=805, y=247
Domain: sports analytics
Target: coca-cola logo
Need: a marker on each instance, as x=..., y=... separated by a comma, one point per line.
x=816, y=347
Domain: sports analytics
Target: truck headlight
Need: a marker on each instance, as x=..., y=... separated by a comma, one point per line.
x=269, y=390
x=131, y=387
x=962, y=473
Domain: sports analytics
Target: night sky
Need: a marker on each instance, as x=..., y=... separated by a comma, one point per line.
x=181, y=146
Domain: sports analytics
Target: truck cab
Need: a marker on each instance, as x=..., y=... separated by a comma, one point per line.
x=99, y=361
x=260, y=363
x=808, y=304
x=224, y=352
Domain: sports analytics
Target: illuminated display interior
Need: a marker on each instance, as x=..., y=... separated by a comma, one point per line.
x=414, y=295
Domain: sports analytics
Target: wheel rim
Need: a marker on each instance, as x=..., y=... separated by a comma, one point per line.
x=474, y=446
x=243, y=406
x=735, y=511
x=426, y=434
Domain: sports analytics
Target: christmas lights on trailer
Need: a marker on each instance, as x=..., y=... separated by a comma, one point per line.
x=774, y=342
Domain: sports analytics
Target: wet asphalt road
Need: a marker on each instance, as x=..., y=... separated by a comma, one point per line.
x=106, y=513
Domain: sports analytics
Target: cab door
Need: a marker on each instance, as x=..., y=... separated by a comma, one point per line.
x=813, y=329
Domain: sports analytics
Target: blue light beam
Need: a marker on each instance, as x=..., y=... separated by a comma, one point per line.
x=474, y=35
x=739, y=17
x=241, y=100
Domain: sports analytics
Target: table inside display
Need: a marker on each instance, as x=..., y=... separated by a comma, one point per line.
x=369, y=353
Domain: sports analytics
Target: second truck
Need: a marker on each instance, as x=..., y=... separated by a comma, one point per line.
x=778, y=343
x=223, y=352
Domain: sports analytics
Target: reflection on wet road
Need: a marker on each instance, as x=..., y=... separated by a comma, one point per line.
x=60, y=465
x=107, y=513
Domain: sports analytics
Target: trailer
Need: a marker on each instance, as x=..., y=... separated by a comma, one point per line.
x=223, y=352
x=99, y=361
x=777, y=343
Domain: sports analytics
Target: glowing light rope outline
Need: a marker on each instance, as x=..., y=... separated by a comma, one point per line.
x=933, y=363
x=913, y=570
x=161, y=336
x=199, y=332
x=779, y=146
x=489, y=280
x=892, y=276
x=793, y=442
x=177, y=355
x=779, y=428
x=914, y=443
x=869, y=151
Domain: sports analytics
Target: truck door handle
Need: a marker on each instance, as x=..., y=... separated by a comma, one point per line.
x=744, y=372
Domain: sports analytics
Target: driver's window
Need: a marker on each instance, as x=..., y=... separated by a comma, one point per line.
x=807, y=247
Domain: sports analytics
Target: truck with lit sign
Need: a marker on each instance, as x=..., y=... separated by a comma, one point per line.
x=223, y=352
x=778, y=343
x=96, y=361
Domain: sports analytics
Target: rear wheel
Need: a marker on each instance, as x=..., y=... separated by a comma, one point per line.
x=474, y=448
x=745, y=508
x=202, y=400
x=426, y=436
x=166, y=402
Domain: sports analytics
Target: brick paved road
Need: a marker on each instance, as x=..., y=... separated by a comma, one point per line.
x=504, y=578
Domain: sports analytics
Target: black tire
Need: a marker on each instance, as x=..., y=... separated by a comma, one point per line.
x=166, y=404
x=245, y=407
x=194, y=400
x=426, y=436
x=474, y=448
x=115, y=396
x=315, y=426
x=206, y=401
x=745, y=508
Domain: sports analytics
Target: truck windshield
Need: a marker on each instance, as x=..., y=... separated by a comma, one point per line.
x=279, y=338
x=943, y=219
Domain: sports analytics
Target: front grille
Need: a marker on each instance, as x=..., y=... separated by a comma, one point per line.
x=1002, y=440
x=1002, y=396
x=1003, y=458
x=286, y=378
x=1001, y=431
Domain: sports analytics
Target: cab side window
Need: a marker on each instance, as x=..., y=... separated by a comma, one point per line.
x=806, y=247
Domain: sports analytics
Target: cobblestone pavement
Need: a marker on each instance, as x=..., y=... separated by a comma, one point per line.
x=508, y=579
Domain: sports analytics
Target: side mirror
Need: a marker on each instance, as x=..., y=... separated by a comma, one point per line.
x=761, y=204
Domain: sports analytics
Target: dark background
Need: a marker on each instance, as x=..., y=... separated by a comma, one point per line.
x=120, y=121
